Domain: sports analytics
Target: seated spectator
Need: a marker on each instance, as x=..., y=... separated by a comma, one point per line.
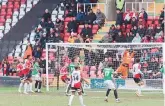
x=43, y=40
x=129, y=37
x=72, y=26
x=143, y=14
x=86, y=32
x=141, y=22
x=100, y=18
x=37, y=35
x=146, y=39
x=49, y=25
x=134, y=14
x=37, y=52
x=134, y=22
x=80, y=16
x=158, y=32
x=141, y=31
x=78, y=39
x=59, y=25
x=90, y=17
x=134, y=30
x=51, y=38
x=107, y=39
x=57, y=38
x=71, y=39
x=161, y=17
x=46, y=15
x=119, y=19
x=43, y=23
x=112, y=31
x=136, y=39
x=120, y=38
x=150, y=31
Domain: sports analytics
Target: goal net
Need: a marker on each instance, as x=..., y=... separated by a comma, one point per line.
x=93, y=57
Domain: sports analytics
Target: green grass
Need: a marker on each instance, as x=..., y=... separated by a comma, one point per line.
x=10, y=97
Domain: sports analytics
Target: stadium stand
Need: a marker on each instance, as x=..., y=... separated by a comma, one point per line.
x=63, y=18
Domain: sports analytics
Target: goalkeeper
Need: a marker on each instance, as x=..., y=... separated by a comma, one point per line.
x=124, y=66
x=37, y=76
x=162, y=71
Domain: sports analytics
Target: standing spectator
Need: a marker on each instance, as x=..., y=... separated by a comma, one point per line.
x=136, y=39
x=158, y=32
x=143, y=14
x=47, y=15
x=120, y=4
x=91, y=17
x=161, y=17
x=112, y=31
x=100, y=18
x=43, y=23
x=86, y=32
x=80, y=16
x=119, y=19
x=49, y=25
x=127, y=18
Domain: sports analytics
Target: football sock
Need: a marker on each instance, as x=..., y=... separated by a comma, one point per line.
x=40, y=83
x=139, y=90
x=68, y=88
x=70, y=100
x=20, y=86
x=36, y=84
x=115, y=94
x=81, y=100
x=107, y=94
x=30, y=86
x=25, y=87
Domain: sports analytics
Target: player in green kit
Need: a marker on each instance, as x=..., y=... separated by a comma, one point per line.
x=162, y=71
x=37, y=76
x=109, y=82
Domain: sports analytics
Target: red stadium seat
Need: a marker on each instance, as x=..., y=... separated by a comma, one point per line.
x=150, y=18
x=95, y=27
x=22, y=1
x=68, y=19
x=149, y=22
x=156, y=22
x=67, y=34
x=129, y=26
x=157, y=18
x=4, y=7
x=94, y=31
x=10, y=6
x=1, y=24
x=8, y=16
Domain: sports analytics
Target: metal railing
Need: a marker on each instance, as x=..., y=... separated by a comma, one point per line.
x=91, y=5
x=139, y=5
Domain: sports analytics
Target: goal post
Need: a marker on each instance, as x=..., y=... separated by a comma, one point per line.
x=92, y=54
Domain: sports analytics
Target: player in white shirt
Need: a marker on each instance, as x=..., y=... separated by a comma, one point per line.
x=76, y=78
x=137, y=76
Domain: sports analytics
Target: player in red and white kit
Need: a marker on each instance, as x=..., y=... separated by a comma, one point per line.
x=76, y=78
x=137, y=76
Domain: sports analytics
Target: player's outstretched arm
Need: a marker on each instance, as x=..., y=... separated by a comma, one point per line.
x=86, y=81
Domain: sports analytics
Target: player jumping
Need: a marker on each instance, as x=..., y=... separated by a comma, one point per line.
x=76, y=78
x=137, y=76
x=124, y=66
x=109, y=82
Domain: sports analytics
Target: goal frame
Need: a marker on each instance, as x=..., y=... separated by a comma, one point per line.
x=113, y=44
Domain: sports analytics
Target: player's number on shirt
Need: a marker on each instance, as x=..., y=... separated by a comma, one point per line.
x=75, y=78
x=107, y=73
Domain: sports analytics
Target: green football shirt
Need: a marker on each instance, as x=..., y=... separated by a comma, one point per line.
x=108, y=72
x=162, y=70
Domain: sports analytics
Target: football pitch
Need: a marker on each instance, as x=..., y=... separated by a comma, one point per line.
x=10, y=97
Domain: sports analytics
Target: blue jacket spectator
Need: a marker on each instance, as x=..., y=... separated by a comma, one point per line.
x=80, y=16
